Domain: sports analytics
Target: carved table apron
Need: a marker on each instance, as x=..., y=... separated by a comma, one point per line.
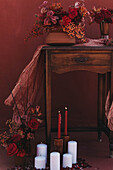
x=96, y=59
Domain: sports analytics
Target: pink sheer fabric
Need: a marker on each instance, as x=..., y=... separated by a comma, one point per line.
x=92, y=42
x=109, y=112
x=107, y=104
x=28, y=87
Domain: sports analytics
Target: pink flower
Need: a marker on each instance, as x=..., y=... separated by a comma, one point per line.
x=50, y=18
x=50, y=13
x=54, y=19
x=47, y=21
x=43, y=4
x=43, y=10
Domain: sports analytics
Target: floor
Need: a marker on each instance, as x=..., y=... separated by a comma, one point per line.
x=95, y=153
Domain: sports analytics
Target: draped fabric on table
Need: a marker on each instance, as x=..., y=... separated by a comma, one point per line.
x=30, y=84
x=109, y=111
x=28, y=87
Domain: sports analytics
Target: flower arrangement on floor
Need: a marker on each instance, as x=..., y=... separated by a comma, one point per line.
x=81, y=164
x=108, y=42
x=54, y=17
x=21, y=129
x=101, y=15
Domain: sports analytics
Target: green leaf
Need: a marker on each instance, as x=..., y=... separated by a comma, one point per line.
x=36, y=15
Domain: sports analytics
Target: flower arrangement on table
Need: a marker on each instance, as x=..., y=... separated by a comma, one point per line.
x=21, y=129
x=54, y=17
x=104, y=17
x=101, y=15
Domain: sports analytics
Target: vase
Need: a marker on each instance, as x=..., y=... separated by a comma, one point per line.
x=58, y=37
x=104, y=30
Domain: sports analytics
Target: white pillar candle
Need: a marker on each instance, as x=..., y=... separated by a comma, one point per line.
x=40, y=162
x=67, y=160
x=42, y=150
x=55, y=161
x=72, y=149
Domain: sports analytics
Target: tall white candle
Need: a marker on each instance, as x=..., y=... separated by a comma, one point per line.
x=72, y=149
x=55, y=161
x=67, y=160
x=42, y=150
x=40, y=162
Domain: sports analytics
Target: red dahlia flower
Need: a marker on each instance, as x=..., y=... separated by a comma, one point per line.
x=12, y=149
x=65, y=20
x=106, y=13
x=73, y=13
x=21, y=153
x=33, y=124
x=99, y=17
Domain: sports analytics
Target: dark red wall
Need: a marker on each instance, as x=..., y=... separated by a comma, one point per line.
x=76, y=90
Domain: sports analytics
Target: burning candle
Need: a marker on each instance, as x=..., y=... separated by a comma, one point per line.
x=42, y=150
x=40, y=162
x=65, y=121
x=55, y=161
x=59, y=125
x=72, y=149
x=67, y=160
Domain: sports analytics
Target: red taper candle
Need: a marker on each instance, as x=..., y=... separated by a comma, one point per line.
x=65, y=121
x=59, y=125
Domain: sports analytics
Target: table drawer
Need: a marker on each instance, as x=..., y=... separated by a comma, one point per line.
x=101, y=59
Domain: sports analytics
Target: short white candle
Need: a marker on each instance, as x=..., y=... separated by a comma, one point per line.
x=55, y=161
x=42, y=150
x=72, y=149
x=67, y=160
x=40, y=162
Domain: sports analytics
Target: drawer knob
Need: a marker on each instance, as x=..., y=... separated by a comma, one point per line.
x=81, y=59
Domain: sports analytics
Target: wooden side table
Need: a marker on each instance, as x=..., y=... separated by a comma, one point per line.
x=62, y=59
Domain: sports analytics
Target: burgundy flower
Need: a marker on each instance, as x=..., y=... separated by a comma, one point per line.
x=33, y=124
x=16, y=138
x=65, y=20
x=21, y=153
x=106, y=13
x=78, y=19
x=99, y=17
x=73, y=13
x=12, y=149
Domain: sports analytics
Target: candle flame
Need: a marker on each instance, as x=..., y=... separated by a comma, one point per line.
x=59, y=112
x=65, y=108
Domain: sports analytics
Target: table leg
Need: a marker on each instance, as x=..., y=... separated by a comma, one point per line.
x=48, y=103
x=100, y=104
